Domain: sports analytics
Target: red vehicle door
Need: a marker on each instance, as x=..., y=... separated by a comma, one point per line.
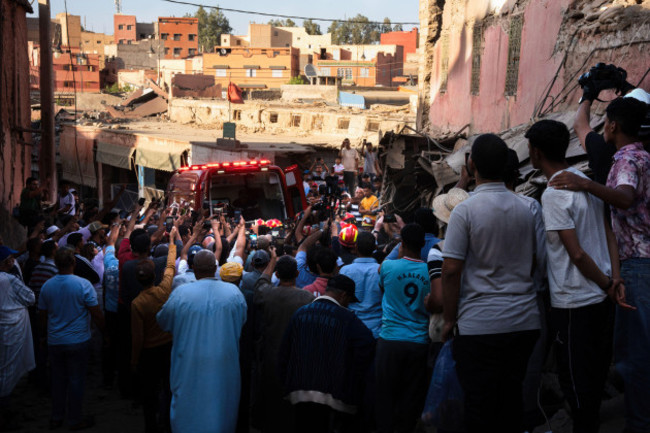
x=296, y=192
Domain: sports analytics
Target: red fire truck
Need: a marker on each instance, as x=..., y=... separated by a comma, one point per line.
x=257, y=188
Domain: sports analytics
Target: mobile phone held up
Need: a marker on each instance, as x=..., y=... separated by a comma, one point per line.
x=169, y=223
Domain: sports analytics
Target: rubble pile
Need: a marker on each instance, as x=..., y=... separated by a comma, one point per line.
x=148, y=101
x=195, y=86
x=418, y=167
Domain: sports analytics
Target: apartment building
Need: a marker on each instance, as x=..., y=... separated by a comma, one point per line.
x=124, y=29
x=252, y=68
x=265, y=35
x=361, y=65
x=73, y=70
x=180, y=35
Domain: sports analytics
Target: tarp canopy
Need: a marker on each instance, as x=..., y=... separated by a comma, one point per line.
x=77, y=161
x=161, y=155
x=351, y=100
x=115, y=154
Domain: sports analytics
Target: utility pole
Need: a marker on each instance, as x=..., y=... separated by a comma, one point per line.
x=47, y=155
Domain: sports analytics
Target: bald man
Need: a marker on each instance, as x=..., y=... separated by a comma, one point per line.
x=205, y=319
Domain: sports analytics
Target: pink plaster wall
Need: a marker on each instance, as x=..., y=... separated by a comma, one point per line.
x=491, y=110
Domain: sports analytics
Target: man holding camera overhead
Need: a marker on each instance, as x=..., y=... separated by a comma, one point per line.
x=601, y=77
x=621, y=168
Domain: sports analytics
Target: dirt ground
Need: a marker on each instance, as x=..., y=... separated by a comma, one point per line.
x=112, y=414
x=115, y=415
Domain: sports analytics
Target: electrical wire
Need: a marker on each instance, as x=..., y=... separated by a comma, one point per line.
x=268, y=14
x=570, y=85
x=74, y=82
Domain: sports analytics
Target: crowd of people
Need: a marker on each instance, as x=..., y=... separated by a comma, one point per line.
x=217, y=324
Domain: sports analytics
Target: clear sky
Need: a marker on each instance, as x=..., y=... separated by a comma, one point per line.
x=98, y=14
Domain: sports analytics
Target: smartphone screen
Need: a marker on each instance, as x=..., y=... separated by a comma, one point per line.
x=237, y=216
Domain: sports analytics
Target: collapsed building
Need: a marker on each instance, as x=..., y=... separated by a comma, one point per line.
x=498, y=66
x=140, y=140
x=495, y=64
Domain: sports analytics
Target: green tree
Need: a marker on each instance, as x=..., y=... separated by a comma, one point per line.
x=357, y=30
x=336, y=31
x=386, y=27
x=211, y=26
x=283, y=23
x=297, y=80
x=311, y=27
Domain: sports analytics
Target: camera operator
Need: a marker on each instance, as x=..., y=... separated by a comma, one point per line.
x=599, y=78
x=627, y=191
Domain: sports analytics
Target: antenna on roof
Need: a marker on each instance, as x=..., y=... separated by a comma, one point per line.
x=118, y=6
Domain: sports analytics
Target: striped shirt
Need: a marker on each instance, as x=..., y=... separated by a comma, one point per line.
x=41, y=273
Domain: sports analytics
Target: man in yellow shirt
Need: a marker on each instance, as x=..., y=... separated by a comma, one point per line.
x=369, y=203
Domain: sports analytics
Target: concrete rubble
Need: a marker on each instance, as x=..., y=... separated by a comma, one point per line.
x=419, y=167
x=195, y=86
x=148, y=101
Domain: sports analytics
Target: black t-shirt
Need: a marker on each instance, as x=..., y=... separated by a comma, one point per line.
x=131, y=286
x=83, y=269
x=30, y=264
x=600, y=156
x=344, y=254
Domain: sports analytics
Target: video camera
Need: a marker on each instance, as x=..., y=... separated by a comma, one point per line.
x=602, y=77
x=331, y=193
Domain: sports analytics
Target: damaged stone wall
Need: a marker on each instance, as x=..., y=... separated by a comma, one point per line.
x=301, y=120
x=557, y=41
x=602, y=31
x=430, y=27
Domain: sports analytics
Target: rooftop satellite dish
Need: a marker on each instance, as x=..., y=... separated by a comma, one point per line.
x=223, y=51
x=310, y=71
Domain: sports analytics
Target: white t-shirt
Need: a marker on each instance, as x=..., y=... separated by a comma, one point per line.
x=338, y=168
x=564, y=210
x=349, y=158
x=85, y=233
x=68, y=199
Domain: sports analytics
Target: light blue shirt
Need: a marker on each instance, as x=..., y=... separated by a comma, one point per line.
x=111, y=280
x=205, y=319
x=180, y=279
x=406, y=283
x=429, y=241
x=305, y=277
x=66, y=299
x=364, y=272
